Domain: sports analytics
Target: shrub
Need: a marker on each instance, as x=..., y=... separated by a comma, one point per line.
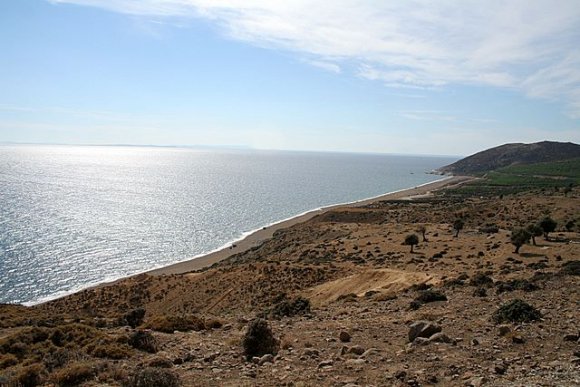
x=516, y=311
x=571, y=268
x=516, y=284
x=480, y=292
x=7, y=360
x=154, y=377
x=535, y=231
x=110, y=350
x=411, y=240
x=458, y=226
x=143, y=341
x=519, y=237
x=548, y=225
x=289, y=308
x=259, y=340
x=75, y=373
x=481, y=279
x=135, y=317
x=426, y=296
x=170, y=324
x=30, y=376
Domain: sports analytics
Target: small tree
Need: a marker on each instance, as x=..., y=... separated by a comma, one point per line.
x=548, y=225
x=534, y=231
x=519, y=237
x=423, y=230
x=411, y=240
x=458, y=226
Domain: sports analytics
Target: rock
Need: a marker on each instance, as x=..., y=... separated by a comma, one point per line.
x=355, y=362
x=503, y=330
x=325, y=363
x=440, y=338
x=255, y=360
x=369, y=352
x=518, y=339
x=344, y=336
x=211, y=357
x=477, y=382
x=267, y=358
x=571, y=338
x=500, y=368
x=401, y=375
x=421, y=341
x=357, y=350
x=310, y=352
x=575, y=360
x=251, y=374
x=474, y=342
x=423, y=329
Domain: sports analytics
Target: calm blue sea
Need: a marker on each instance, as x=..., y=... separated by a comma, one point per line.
x=75, y=216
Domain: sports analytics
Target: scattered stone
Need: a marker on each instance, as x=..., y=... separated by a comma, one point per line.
x=571, y=338
x=267, y=358
x=355, y=362
x=357, y=350
x=423, y=329
x=500, y=368
x=474, y=342
x=477, y=381
x=401, y=374
x=503, y=330
x=325, y=364
x=440, y=338
x=310, y=352
x=344, y=336
x=518, y=339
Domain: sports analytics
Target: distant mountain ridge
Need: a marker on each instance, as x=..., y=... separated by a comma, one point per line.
x=513, y=154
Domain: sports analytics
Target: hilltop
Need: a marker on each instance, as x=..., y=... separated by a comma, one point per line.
x=513, y=154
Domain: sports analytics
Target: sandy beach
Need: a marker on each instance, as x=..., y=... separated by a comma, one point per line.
x=260, y=236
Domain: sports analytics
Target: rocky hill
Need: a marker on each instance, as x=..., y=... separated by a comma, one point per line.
x=513, y=154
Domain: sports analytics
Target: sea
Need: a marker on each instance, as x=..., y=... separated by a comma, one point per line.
x=72, y=217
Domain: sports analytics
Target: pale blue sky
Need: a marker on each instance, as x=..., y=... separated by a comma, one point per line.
x=418, y=77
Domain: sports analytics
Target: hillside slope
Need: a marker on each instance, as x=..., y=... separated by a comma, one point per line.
x=513, y=154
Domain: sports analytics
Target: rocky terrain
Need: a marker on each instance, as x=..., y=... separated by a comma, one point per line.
x=346, y=301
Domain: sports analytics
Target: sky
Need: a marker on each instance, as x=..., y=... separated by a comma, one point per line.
x=446, y=77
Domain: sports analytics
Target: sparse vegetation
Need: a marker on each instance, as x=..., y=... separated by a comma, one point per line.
x=516, y=311
x=135, y=317
x=259, y=340
x=422, y=229
x=411, y=240
x=284, y=307
x=172, y=323
x=143, y=341
x=458, y=226
x=548, y=225
x=535, y=231
x=519, y=237
x=154, y=377
x=430, y=295
x=571, y=268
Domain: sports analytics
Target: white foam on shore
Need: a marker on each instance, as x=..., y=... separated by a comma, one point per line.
x=226, y=245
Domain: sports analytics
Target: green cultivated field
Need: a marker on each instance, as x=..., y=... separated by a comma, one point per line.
x=545, y=176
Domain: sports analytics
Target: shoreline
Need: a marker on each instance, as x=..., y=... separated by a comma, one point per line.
x=259, y=236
